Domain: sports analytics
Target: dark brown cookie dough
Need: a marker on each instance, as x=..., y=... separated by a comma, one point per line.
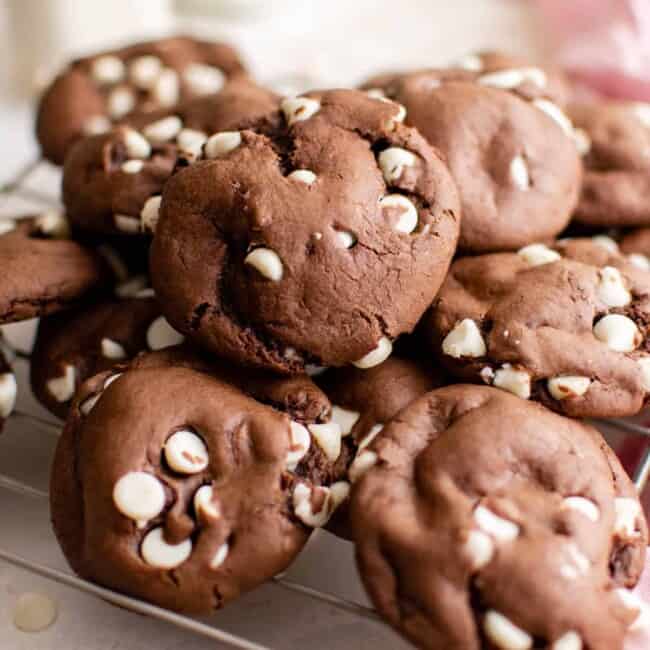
x=75, y=345
x=173, y=482
x=567, y=326
x=112, y=182
x=116, y=86
x=316, y=236
x=617, y=165
x=515, y=161
x=43, y=271
x=483, y=521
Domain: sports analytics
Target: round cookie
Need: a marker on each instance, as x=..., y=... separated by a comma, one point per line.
x=114, y=86
x=112, y=182
x=168, y=469
x=617, y=167
x=515, y=161
x=484, y=521
x=42, y=271
x=316, y=236
x=77, y=344
x=566, y=325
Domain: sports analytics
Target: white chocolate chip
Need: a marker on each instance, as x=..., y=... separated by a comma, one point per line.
x=618, y=332
x=642, y=112
x=639, y=261
x=566, y=386
x=89, y=403
x=156, y=552
x=8, y=392
x=298, y=109
x=582, y=505
x=191, y=141
x=471, y=62
x=632, y=602
x=569, y=641
x=346, y=239
x=392, y=162
x=582, y=140
x=501, y=529
x=538, y=254
x=53, y=224
x=186, y=453
x=644, y=365
x=376, y=93
x=303, y=176
x=204, y=504
x=6, y=226
x=120, y=102
x=34, y=612
x=611, y=288
x=63, y=388
x=555, y=113
x=504, y=633
x=606, y=242
x=136, y=145
x=408, y=219
x=144, y=71
x=162, y=335
x=361, y=464
x=328, y=437
x=300, y=441
x=303, y=507
x=339, y=492
x=96, y=125
x=345, y=418
x=127, y=224
x=464, y=340
x=131, y=287
x=266, y=262
x=479, y=549
x=508, y=79
x=112, y=350
x=377, y=355
x=369, y=437
x=150, y=213
x=139, y=496
x=487, y=374
x=628, y=511
x=132, y=166
x=203, y=79
x=514, y=381
x=220, y=556
x=163, y=130
x=166, y=90
x=107, y=70
x=220, y=144
x=519, y=173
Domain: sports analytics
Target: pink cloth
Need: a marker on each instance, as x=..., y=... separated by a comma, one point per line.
x=604, y=44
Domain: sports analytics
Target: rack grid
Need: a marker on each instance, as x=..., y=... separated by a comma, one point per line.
x=29, y=421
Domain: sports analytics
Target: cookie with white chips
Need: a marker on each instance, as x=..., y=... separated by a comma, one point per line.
x=43, y=271
x=75, y=345
x=173, y=467
x=513, y=156
x=317, y=235
x=112, y=183
x=116, y=86
x=617, y=165
x=567, y=325
x=483, y=521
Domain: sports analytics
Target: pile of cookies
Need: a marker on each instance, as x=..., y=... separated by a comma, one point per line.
x=379, y=310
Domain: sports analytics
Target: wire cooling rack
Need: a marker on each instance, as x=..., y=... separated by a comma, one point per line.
x=338, y=610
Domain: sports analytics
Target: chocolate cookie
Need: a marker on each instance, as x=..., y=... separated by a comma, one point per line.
x=42, y=271
x=515, y=161
x=112, y=182
x=617, y=166
x=114, y=86
x=172, y=484
x=75, y=345
x=316, y=236
x=567, y=325
x=483, y=521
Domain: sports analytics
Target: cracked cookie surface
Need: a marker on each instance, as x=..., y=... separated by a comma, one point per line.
x=484, y=521
x=315, y=236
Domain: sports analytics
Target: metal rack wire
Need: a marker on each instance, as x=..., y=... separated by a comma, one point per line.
x=19, y=187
